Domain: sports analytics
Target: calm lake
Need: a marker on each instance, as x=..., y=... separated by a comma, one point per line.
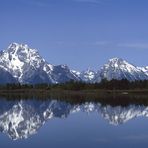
x=59, y=124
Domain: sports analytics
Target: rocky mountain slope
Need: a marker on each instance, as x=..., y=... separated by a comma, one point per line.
x=27, y=66
x=117, y=68
x=20, y=63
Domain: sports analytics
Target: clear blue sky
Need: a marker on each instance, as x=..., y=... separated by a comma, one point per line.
x=79, y=33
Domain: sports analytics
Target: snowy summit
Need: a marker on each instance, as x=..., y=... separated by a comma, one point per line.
x=20, y=63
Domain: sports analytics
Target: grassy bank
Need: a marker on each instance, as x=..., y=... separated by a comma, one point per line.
x=112, y=97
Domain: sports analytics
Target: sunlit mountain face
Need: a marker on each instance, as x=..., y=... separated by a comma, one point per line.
x=27, y=66
x=22, y=119
x=20, y=63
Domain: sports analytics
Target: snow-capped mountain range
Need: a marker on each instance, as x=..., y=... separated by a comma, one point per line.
x=26, y=65
x=21, y=119
x=120, y=69
x=19, y=63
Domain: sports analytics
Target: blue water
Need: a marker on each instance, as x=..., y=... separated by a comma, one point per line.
x=62, y=125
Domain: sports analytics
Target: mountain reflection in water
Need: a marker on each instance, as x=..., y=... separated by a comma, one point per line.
x=21, y=119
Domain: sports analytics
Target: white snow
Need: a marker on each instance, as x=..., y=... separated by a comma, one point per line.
x=22, y=62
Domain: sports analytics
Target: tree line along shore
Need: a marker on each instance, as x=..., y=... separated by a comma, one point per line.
x=76, y=86
x=114, y=92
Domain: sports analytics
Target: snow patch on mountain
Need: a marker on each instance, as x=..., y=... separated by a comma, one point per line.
x=118, y=68
x=25, y=65
x=144, y=69
x=86, y=76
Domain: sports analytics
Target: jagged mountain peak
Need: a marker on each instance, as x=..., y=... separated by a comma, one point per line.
x=121, y=64
x=144, y=69
x=22, y=52
x=21, y=61
x=117, y=62
x=87, y=75
x=117, y=68
x=16, y=48
x=27, y=66
x=14, y=45
x=115, y=59
x=88, y=70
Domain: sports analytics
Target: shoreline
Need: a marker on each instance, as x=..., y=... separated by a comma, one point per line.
x=105, y=97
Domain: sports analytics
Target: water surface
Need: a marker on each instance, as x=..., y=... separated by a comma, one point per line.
x=59, y=124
